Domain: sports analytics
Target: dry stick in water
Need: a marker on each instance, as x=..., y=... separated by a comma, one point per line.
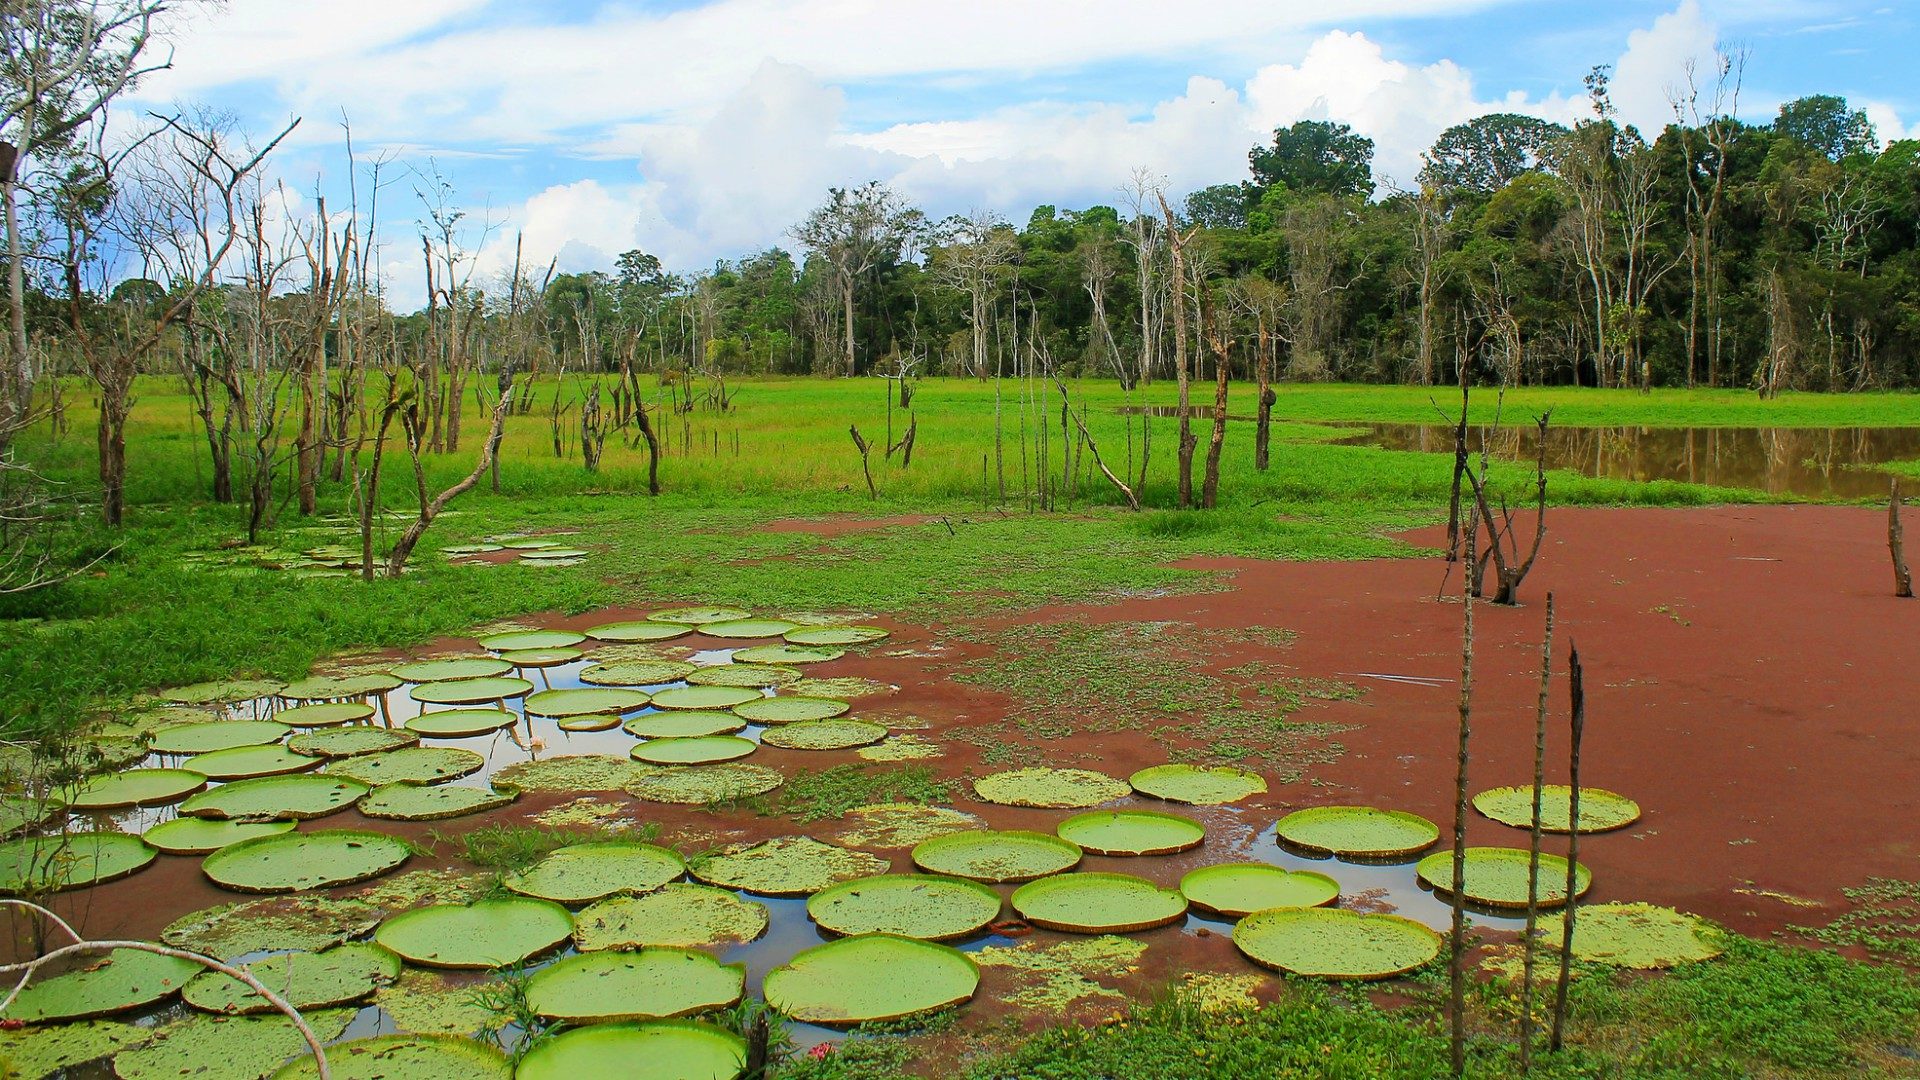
x=1578, y=725
x=1533, y=849
x=1457, y=945
x=1902, y=578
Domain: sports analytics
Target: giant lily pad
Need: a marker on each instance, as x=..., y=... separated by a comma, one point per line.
x=414, y=765
x=453, y=669
x=787, y=654
x=461, y=723
x=308, y=980
x=751, y=676
x=578, y=873
x=121, y=981
x=1014, y=855
x=532, y=639
x=470, y=691
x=585, y=701
x=335, y=687
x=824, y=735
x=294, y=798
x=136, y=787
x=541, y=658
x=698, y=785
x=696, y=750
x=405, y=1057
x=297, y=861
x=247, y=762
x=659, y=1050
x=201, y=738
x=351, y=741
x=197, y=836
x=1236, y=889
x=698, y=616
x=679, y=914
x=1600, y=810
x=652, y=984
x=747, y=628
x=1335, y=944
x=429, y=1003
x=1132, y=832
x=644, y=630
x=1098, y=903
x=1201, y=785
x=684, y=724
x=206, y=1047
x=33, y=864
x=636, y=673
x=790, y=710
x=1639, y=936
x=312, y=923
x=901, y=825
x=324, y=714
x=704, y=697
x=422, y=802
x=1058, y=788
x=911, y=905
x=835, y=635
x=585, y=772
x=487, y=934
x=588, y=722
x=37, y=1052
x=1497, y=877
x=1363, y=832
x=786, y=866
x=870, y=978
x=223, y=692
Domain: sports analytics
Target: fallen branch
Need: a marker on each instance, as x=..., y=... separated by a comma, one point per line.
x=1133, y=500
x=860, y=444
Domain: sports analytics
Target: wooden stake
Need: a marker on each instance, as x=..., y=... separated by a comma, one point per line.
x=1902, y=578
x=1457, y=946
x=1533, y=849
x=1578, y=725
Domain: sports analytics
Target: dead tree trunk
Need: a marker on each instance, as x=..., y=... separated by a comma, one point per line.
x=1578, y=726
x=1902, y=579
x=1222, y=347
x=1263, y=421
x=1457, y=941
x=397, y=558
x=860, y=444
x=1187, y=438
x=1528, y=945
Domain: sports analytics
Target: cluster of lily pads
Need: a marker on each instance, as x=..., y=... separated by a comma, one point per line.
x=542, y=550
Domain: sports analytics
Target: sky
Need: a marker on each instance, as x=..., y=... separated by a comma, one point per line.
x=704, y=130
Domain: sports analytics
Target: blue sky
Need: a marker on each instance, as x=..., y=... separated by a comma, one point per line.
x=701, y=130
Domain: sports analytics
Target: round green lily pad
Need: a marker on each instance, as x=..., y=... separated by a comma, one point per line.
x=277, y=797
x=308, y=980
x=751, y=676
x=103, y=753
x=121, y=981
x=747, y=628
x=835, y=635
x=636, y=673
x=33, y=864
x=911, y=905
x=786, y=866
x=1639, y=936
x=1201, y=785
x=824, y=735
x=787, y=654
x=644, y=630
x=1334, y=943
x=44, y=1050
x=469, y=549
x=461, y=723
x=334, y=687
x=197, y=836
x=414, y=765
x=589, y=722
x=1364, y=832
x=697, y=785
x=423, y=1002
x=585, y=701
x=578, y=873
x=1097, y=903
x=525, y=543
x=1132, y=832
x=582, y=772
x=996, y=857
x=19, y=812
x=869, y=978
x=600, y=987
x=470, y=691
x=218, y=735
x=297, y=861
x=695, y=750
x=208, y=1047
x=698, y=616
x=247, y=762
x=405, y=1057
x=453, y=669
x=790, y=710
x=324, y=714
x=532, y=639
x=1057, y=788
x=430, y=802
x=900, y=825
x=553, y=553
x=1497, y=877
x=1236, y=889
x=658, y=1050
x=487, y=934
x=351, y=741
x=223, y=692
x=541, y=658
x=704, y=697
x=1600, y=810
x=136, y=787
x=679, y=914
x=684, y=724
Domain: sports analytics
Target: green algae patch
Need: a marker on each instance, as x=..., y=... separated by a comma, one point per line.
x=843, y=687
x=334, y=687
x=470, y=691
x=825, y=735
x=658, y=1050
x=308, y=980
x=461, y=723
x=585, y=772
x=325, y=714
x=1054, y=788
x=636, y=673
x=835, y=635
x=532, y=639
x=751, y=676
x=437, y=802
x=911, y=905
x=198, y=836
x=1643, y=937
x=787, y=654
x=1236, y=889
x=704, y=697
x=901, y=825
x=790, y=710
x=207, y=1047
x=747, y=628
x=786, y=866
x=1497, y=877
x=1098, y=903
x=414, y=765
x=223, y=692
x=698, y=785
x=1048, y=978
x=653, y=984
x=579, y=873
x=870, y=978
x=43, y=1051
x=693, y=750
x=35, y=864
x=486, y=934
x=291, y=798
x=136, y=787
x=1600, y=810
x=688, y=724
x=641, y=631
x=351, y=742
x=248, y=762
x=298, y=861
x=1364, y=832
x=205, y=737
x=1132, y=832
x=121, y=981
x=1199, y=785
x=698, y=616
x=996, y=857
x=908, y=747
x=1335, y=944
x=426, y=1003
x=679, y=914
x=587, y=701
x=453, y=669
x=405, y=1057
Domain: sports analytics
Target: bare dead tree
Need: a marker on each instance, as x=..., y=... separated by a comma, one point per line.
x=1126, y=492
x=1457, y=938
x=1902, y=579
x=413, y=425
x=1188, y=440
x=976, y=249
x=860, y=444
x=1219, y=337
x=1503, y=541
x=1528, y=944
x=1577, y=726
